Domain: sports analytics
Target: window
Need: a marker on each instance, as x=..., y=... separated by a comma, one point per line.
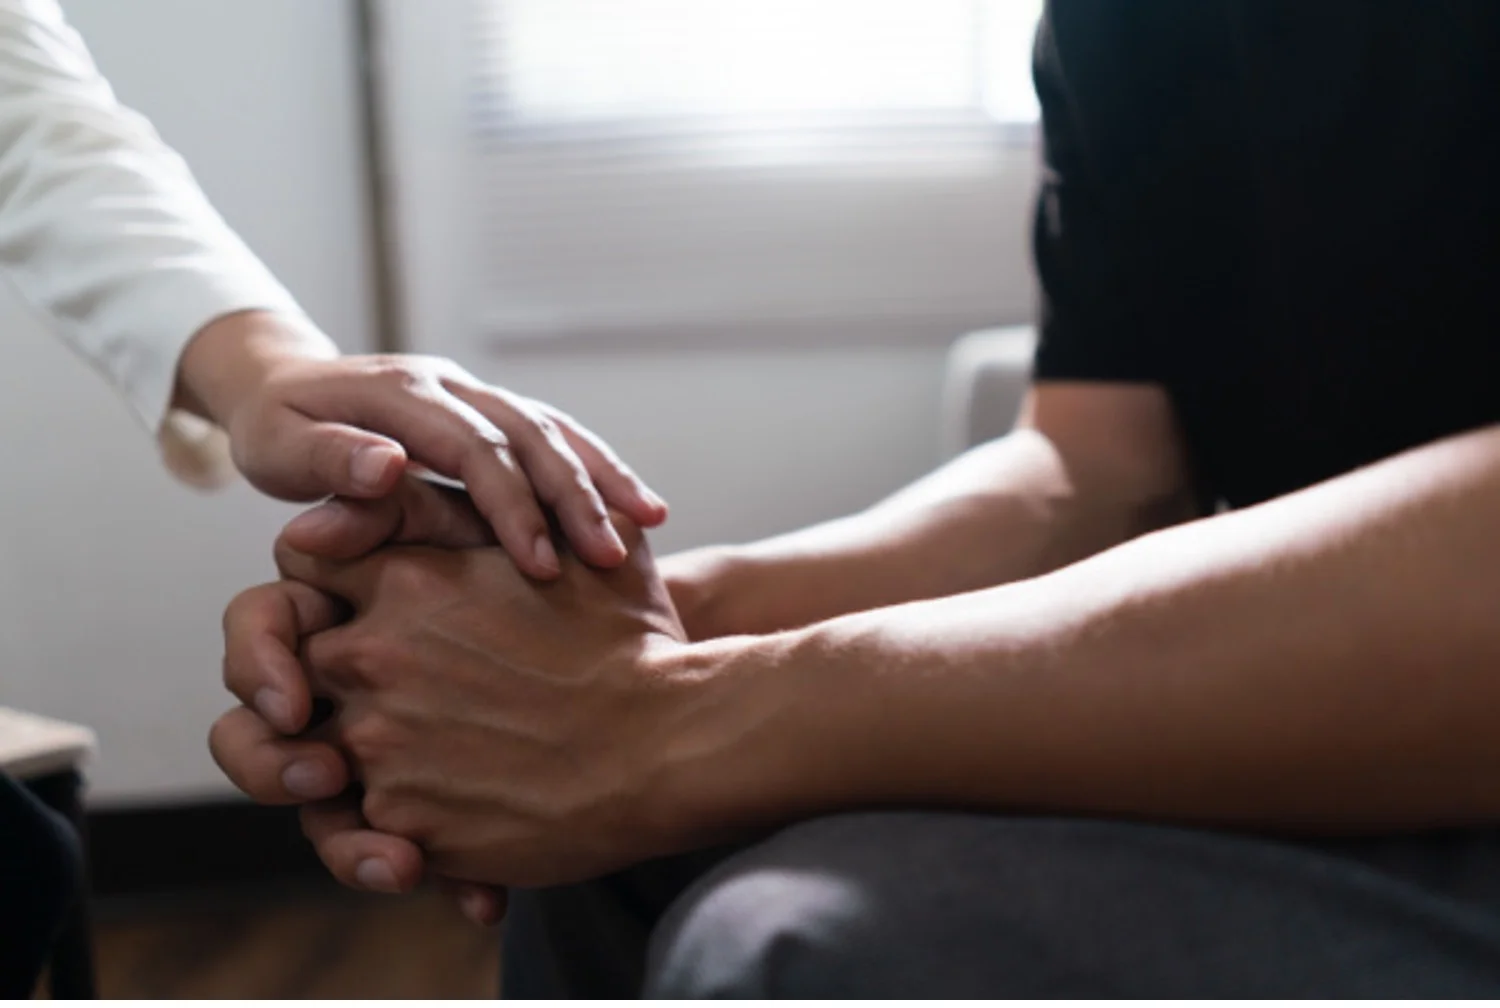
x=699, y=166
x=727, y=65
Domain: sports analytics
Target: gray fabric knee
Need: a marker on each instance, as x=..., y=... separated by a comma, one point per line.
x=955, y=905
x=764, y=924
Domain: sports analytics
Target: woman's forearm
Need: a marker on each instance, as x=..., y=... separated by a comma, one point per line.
x=1327, y=661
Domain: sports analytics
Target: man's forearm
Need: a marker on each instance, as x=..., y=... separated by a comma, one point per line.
x=1327, y=661
x=1007, y=510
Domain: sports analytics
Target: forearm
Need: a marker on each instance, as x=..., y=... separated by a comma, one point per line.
x=1007, y=510
x=1327, y=661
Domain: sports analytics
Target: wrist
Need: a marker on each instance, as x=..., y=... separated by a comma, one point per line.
x=766, y=731
x=711, y=589
x=231, y=357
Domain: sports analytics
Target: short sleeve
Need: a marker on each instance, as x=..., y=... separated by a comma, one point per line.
x=1092, y=322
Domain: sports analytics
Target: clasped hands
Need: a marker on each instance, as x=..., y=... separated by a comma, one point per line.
x=481, y=727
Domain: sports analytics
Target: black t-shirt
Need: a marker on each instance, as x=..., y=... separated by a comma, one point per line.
x=1286, y=212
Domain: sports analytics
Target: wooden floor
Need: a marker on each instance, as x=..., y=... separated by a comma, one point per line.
x=296, y=944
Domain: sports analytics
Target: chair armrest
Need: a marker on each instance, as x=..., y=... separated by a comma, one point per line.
x=34, y=746
x=986, y=378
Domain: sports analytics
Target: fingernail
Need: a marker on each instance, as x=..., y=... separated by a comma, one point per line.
x=546, y=556
x=307, y=779
x=274, y=707
x=370, y=464
x=375, y=874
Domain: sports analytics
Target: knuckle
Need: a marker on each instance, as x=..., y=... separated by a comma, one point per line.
x=403, y=375
x=579, y=484
x=565, y=483
x=545, y=427
x=582, y=499
x=374, y=738
x=449, y=370
x=369, y=660
x=487, y=441
x=380, y=809
x=369, y=740
x=409, y=577
x=390, y=813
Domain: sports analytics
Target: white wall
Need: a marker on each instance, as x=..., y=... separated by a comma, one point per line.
x=112, y=579
x=743, y=444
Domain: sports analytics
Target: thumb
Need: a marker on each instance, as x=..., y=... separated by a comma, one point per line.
x=295, y=458
x=343, y=529
x=416, y=513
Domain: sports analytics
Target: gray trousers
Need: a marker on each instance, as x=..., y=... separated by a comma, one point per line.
x=911, y=904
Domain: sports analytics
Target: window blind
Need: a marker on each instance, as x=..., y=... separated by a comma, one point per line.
x=702, y=164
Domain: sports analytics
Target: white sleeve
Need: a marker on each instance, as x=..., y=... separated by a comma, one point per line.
x=103, y=228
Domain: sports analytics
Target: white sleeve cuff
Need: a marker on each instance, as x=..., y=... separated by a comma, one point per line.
x=195, y=451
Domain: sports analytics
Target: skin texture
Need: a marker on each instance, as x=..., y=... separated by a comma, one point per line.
x=305, y=422
x=1091, y=465
x=1322, y=663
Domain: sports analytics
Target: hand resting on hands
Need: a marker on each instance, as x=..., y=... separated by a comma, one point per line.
x=509, y=727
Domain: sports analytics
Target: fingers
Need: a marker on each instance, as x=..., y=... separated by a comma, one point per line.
x=453, y=438
x=364, y=858
x=558, y=476
x=343, y=529
x=358, y=856
x=295, y=457
x=339, y=429
x=617, y=482
x=435, y=516
x=270, y=768
x=350, y=580
x=416, y=513
x=263, y=628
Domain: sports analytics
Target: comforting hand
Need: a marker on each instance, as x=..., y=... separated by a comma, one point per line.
x=304, y=423
x=516, y=731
